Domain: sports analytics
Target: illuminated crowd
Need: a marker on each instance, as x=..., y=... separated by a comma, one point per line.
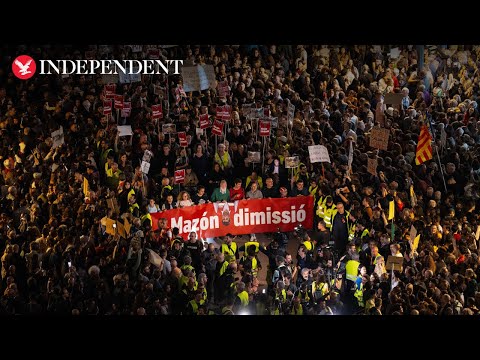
x=393, y=238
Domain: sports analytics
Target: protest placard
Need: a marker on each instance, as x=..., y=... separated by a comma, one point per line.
x=125, y=130
x=292, y=162
x=204, y=121
x=217, y=128
x=58, y=138
x=264, y=128
x=127, y=109
x=372, y=166
x=254, y=156
x=379, y=138
x=182, y=138
x=118, y=103
x=179, y=176
x=169, y=128
x=318, y=153
x=145, y=167
x=107, y=107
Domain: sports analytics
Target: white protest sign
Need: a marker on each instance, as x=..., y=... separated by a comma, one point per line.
x=145, y=167
x=58, y=138
x=125, y=130
x=318, y=153
x=314, y=152
x=147, y=155
x=196, y=78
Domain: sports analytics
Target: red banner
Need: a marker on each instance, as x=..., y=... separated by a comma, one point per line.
x=182, y=137
x=204, y=121
x=127, y=109
x=118, y=102
x=179, y=176
x=241, y=217
x=217, y=128
x=107, y=107
x=265, y=127
x=157, y=112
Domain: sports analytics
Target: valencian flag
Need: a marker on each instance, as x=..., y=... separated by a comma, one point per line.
x=424, y=146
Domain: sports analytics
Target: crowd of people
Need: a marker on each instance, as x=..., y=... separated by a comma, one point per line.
x=59, y=258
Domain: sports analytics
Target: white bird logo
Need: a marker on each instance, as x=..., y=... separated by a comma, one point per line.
x=24, y=68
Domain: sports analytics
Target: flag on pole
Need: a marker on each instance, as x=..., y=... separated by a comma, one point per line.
x=424, y=146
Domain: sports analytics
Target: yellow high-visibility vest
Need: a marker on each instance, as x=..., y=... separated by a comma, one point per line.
x=359, y=295
x=351, y=269
x=195, y=306
x=243, y=296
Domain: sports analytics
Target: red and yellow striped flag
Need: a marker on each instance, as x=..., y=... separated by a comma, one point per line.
x=424, y=146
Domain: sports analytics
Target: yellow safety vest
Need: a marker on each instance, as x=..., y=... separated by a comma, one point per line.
x=254, y=265
x=250, y=243
x=259, y=181
x=195, y=306
x=328, y=216
x=147, y=216
x=375, y=260
x=296, y=311
x=133, y=207
x=222, y=161
x=351, y=269
x=313, y=191
x=308, y=245
x=351, y=232
x=349, y=225
x=187, y=267
x=243, y=298
x=321, y=205
x=323, y=287
x=229, y=251
x=359, y=295
x=108, y=170
x=223, y=268
x=282, y=297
